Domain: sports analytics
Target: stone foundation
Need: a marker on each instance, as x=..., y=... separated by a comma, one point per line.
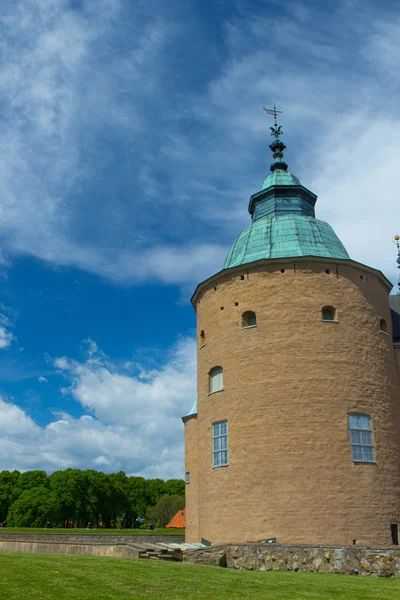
x=353, y=560
x=119, y=551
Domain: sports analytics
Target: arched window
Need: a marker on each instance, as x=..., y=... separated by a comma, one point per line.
x=328, y=313
x=383, y=326
x=216, y=379
x=249, y=319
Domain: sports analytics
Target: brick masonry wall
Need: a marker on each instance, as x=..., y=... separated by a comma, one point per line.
x=289, y=384
x=191, y=489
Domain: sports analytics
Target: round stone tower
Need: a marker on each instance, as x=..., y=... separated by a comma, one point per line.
x=295, y=434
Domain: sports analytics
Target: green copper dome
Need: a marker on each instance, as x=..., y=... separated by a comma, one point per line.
x=280, y=178
x=283, y=220
x=285, y=236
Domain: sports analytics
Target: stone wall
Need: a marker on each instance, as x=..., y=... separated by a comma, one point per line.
x=50, y=547
x=353, y=560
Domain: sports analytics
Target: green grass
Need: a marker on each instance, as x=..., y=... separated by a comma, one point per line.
x=52, y=577
x=76, y=531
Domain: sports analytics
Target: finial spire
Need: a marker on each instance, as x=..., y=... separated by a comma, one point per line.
x=397, y=242
x=276, y=130
x=277, y=146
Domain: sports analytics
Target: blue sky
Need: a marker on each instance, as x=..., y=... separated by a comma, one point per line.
x=132, y=135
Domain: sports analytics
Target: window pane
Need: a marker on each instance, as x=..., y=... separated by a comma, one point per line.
x=355, y=437
x=216, y=379
x=217, y=444
x=224, y=427
x=366, y=438
x=251, y=320
x=356, y=452
x=360, y=422
x=368, y=453
x=353, y=422
x=215, y=429
x=224, y=458
x=327, y=314
x=364, y=422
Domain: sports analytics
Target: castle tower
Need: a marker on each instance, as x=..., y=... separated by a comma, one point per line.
x=296, y=430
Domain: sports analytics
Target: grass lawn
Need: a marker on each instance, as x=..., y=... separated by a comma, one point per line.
x=76, y=531
x=52, y=577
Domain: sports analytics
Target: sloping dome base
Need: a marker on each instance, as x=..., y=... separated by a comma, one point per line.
x=283, y=236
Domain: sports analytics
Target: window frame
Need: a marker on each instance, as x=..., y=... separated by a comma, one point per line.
x=245, y=316
x=362, y=444
x=383, y=329
x=187, y=477
x=212, y=376
x=217, y=434
x=333, y=312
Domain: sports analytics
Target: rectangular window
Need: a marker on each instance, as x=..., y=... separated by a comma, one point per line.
x=187, y=477
x=220, y=443
x=362, y=446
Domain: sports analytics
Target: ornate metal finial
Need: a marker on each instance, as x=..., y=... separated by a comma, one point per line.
x=276, y=130
x=277, y=146
x=397, y=242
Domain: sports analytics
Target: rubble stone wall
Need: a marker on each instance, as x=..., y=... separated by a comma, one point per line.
x=352, y=560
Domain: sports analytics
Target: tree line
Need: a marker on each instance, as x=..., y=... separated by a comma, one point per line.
x=74, y=498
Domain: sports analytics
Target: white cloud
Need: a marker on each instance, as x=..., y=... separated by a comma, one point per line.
x=8, y=317
x=122, y=159
x=42, y=380
x=134, y=422
x=6, y=338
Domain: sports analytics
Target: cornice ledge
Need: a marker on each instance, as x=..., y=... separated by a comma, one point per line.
x=214, y=280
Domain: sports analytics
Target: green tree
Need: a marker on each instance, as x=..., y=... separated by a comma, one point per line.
x=174, y=487
x=137, y=499
x=69, y=487
x=118, y=494
x=8, y=483
x=155, y=489
x=165, y=509
x=33, y=508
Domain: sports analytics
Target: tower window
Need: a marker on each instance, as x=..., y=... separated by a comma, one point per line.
x=383, y=326
x=220, y=444
x=202, y=334
x=187, y=477
x=362, y=446
x=328, y=313
x=249, y=319
x=216, y=379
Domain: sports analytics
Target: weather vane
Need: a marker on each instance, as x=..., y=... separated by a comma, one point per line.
x=276, y=130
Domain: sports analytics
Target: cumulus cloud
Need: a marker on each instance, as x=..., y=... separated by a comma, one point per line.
x=131, y=422
x=42, y=380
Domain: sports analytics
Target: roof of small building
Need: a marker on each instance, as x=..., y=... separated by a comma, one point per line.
x=177, y=521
